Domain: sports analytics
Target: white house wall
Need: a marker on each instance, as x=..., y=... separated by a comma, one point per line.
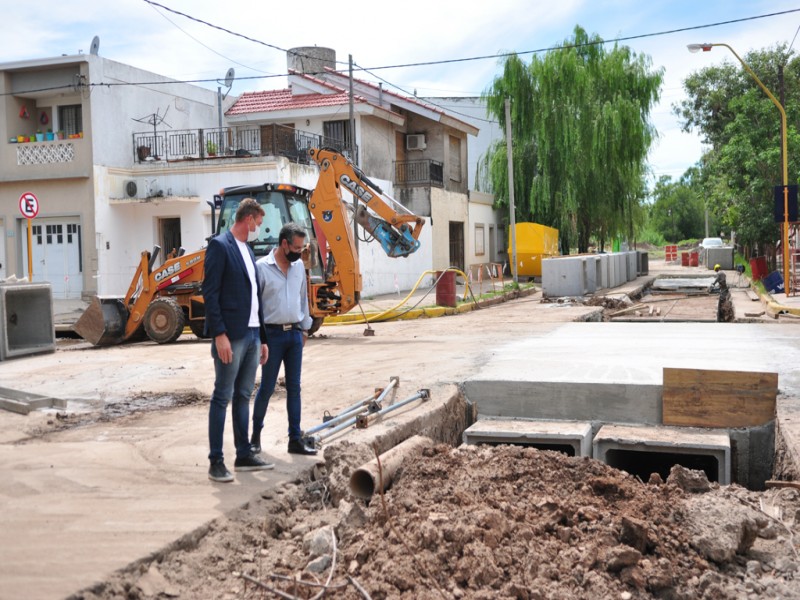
x=446, y=207
x=114, y=109
x=482, y=213
x=127, y=227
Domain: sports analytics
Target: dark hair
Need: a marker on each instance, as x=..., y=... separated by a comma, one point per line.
x=291, y=231
x=248, y=207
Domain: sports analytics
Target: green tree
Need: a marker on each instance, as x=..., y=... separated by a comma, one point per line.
x=581, y=133
x=678, y=211
x=742, y=126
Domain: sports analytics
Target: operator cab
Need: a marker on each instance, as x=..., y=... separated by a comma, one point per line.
x=282, y=203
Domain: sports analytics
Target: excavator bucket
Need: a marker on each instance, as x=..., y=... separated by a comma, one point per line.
x=103, y=323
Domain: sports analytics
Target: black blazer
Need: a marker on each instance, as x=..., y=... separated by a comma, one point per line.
x=226, y=289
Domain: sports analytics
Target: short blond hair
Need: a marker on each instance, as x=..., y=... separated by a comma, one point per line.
x=247, y=207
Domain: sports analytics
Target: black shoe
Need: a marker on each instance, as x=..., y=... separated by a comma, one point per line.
x=255, y=448
x=299, y=447
x=252, y=463
x=219, y=472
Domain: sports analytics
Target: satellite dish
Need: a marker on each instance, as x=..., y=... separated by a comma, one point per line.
x=229, y=77
x=95, y=47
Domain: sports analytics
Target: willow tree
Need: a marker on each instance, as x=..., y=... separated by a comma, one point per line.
x=581, y=133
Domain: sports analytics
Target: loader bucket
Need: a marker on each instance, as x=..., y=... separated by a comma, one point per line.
x=103, y=323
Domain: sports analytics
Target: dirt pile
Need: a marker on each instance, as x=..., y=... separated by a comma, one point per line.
x=483, y=522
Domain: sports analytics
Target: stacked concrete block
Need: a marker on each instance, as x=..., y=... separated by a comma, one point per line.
x=602, y=271
x=572, y=437
x=26, y=319
x=592, y=265
x=720, y=256
x=565, y=276
x=632, y=265
x=643, y=262
x=620, y=269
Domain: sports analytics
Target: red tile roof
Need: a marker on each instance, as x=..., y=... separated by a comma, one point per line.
x=274, y=100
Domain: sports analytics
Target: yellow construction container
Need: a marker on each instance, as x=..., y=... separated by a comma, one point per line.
x=534, y=242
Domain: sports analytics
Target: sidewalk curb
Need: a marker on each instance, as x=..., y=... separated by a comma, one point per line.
x=431, y=311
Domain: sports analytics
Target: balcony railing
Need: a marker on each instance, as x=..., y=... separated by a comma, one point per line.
x=230, y=142
x=419, y=172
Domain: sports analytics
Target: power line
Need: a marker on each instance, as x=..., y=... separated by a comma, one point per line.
x=406, y=65
x=594, y=43
x=206, y=46
x=241, y=35
x=500, y=55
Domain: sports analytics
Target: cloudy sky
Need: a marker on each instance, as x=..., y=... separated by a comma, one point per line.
x=145, y=34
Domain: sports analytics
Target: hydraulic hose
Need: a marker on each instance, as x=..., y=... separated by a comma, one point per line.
x=379, y=316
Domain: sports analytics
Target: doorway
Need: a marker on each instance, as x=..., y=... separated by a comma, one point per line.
x=457, y=244
x=169, y=235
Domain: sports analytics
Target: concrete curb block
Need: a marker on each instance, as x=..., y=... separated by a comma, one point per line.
x=431, y=311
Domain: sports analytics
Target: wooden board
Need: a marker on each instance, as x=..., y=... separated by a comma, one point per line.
x=708, y=398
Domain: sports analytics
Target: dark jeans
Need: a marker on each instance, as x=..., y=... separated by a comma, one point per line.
x=233, y=382
x=284, y=347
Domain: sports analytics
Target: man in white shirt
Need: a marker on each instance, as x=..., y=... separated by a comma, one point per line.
x=284, y=300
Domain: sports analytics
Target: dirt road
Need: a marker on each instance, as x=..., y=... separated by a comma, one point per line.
x=117, y=480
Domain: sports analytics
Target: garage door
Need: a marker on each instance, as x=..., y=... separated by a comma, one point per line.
x=56, y=255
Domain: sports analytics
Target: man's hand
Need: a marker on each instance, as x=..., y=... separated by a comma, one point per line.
x=264, y=354
x=224, y=350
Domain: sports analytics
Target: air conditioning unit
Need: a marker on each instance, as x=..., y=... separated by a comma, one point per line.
x=130, y=188
x=415, y=141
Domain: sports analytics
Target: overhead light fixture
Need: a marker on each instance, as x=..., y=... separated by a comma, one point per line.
x=693, y=48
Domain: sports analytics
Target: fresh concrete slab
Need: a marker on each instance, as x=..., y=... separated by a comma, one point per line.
x=576, y=435
x=665, y=440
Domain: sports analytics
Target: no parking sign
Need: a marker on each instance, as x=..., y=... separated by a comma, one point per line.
x=29, y=205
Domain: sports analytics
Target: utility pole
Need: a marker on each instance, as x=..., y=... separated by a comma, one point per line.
x=512, y=221
x=352, y=145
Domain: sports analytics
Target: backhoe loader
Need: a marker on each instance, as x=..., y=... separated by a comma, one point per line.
x=161, y=301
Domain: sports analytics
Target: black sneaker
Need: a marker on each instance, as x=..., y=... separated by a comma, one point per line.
x=219, y=472
x=300, y=447
x=252, y=463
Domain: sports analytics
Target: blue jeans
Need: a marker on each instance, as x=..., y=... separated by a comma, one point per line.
x=233, y=382
x=284, y=347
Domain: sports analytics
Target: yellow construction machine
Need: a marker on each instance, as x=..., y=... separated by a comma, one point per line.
x=161, y=301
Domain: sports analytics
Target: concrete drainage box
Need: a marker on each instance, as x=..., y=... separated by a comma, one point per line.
x=26, y=319
x=571, y=437
x=644, y=450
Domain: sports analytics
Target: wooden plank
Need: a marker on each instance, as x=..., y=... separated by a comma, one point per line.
x=752, y=295
x=710, y=398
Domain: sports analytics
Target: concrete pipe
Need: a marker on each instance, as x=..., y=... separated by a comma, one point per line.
x=365, y=480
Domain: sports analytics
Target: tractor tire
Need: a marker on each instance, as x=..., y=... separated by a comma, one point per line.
x=164, y=320
x=198, y=328
x=316, y=323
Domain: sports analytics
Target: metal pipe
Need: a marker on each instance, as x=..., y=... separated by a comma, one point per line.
x=368, y=479
x=424, y=394
x=393, y=382
x=342, y=415
x=316, y=439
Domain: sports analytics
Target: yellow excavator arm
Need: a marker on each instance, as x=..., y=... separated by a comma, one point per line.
x=394, y=226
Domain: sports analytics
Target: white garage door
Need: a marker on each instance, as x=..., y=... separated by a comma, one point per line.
x=56, y=255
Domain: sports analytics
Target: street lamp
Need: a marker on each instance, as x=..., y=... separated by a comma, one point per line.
x=707, y=48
